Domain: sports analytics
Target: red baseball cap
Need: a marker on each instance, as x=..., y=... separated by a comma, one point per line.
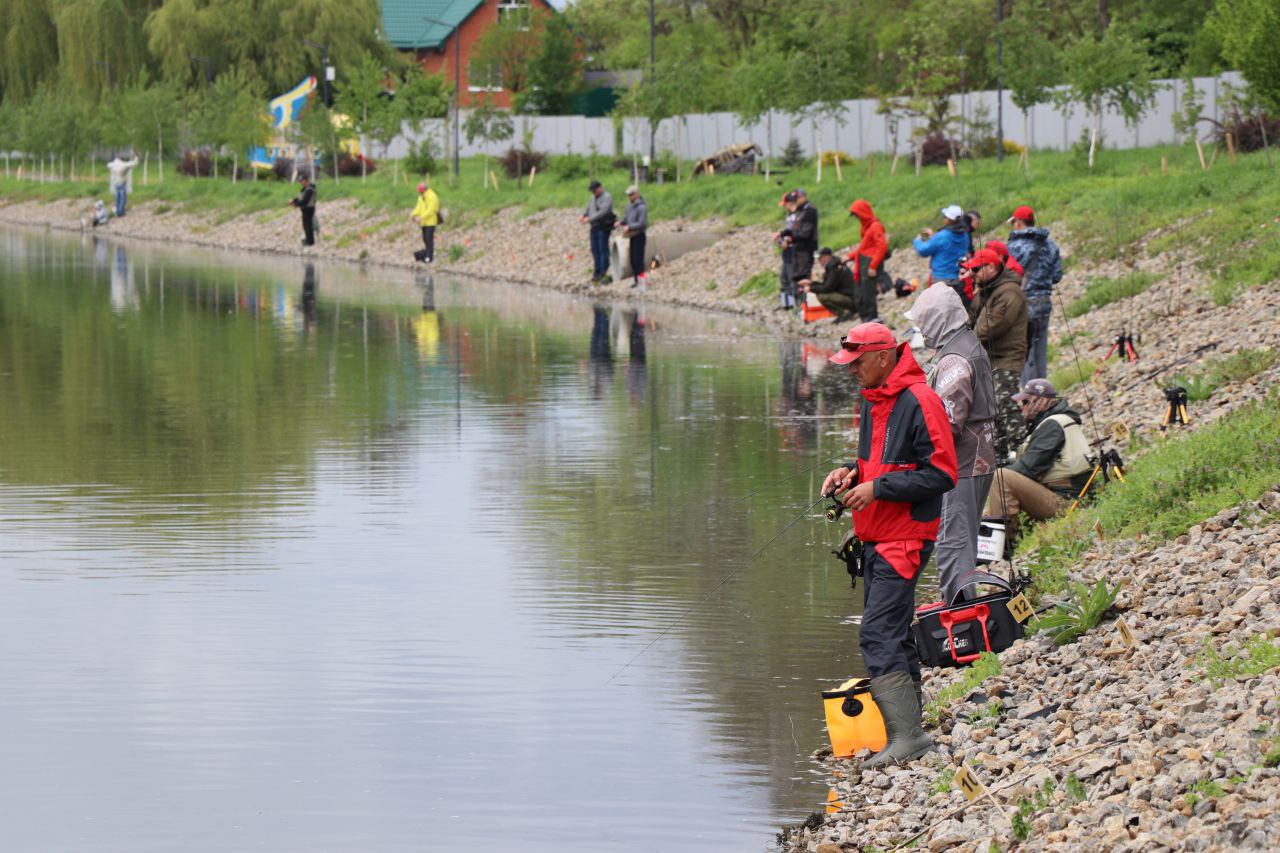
x=1025, y=213
x=999, y=248
x=981, y=258
x=865, y=337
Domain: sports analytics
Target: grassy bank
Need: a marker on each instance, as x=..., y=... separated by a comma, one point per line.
x=1228, y=214
x=1187, y=480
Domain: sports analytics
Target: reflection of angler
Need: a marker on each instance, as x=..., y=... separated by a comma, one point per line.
x=309, y=294
x=428, y=285
x=601, y=349
x=122, y=292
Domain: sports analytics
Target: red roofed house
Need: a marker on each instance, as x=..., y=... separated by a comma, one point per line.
x=432, y=29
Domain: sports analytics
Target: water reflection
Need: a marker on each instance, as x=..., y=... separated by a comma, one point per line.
x=365, y=551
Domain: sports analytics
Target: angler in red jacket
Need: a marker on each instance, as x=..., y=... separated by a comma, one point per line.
x=906, y=462
x=868, y=260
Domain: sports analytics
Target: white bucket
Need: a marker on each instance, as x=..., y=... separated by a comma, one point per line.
x=990, y=541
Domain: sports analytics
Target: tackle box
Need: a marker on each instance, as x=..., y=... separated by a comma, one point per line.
x=954, y=635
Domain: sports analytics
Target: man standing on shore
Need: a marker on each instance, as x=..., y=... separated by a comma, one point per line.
x=801, y=235
x=600, y=217
x=945, y=249
x=635, y=224
x=306, y=202
x=1039, y=257
x=999, y=318
x=906, y=463
x=121, y=173
x=427, y=214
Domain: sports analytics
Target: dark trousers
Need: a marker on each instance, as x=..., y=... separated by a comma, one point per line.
x=429, y=241
x=309, y=226
x=636, y=254
x=864, y=290
x=786, y=288
x=599, y=251
x=889, y=606
x=1039, y=308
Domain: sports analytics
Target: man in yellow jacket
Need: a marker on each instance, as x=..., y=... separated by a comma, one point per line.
x=427, y=214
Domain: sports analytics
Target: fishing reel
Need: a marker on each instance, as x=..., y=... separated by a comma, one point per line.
x=850, y=553
x=837, y=508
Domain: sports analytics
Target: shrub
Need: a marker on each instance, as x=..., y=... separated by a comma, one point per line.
x=518, y=162
x=421, y=159
x=792, y=155
x=1247, y=131
x=349, y=166
x=938, y=148
x=1220, y=371
x=829, y=158
x=1073, y=619
x=568, y=166
x=196, y=163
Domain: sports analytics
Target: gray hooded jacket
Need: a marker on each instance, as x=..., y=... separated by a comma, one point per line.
x=961, y=376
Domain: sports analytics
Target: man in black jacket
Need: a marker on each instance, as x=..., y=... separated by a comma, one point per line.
x=801, y=235
x=836, y=291
x=306, y=202
x=1053, y=465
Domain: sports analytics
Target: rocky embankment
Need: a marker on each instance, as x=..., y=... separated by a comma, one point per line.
x=1098, y=746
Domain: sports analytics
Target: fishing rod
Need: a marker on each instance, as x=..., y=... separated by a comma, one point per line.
x=716, y=588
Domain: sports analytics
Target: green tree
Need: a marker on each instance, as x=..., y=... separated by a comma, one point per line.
x=555, y=72
x=1113, y=71
x=1247, y=30
x=363, y=97
x=510, y=49
x=100, y=42
x=28, y=47
x=148, y=111
x=243, y=122
x=488, y=124
x=1033, y=62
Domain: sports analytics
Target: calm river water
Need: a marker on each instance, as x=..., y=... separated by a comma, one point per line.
x=329, y=560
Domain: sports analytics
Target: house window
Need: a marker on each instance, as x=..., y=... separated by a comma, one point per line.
x=483, y=76
x=516, y=10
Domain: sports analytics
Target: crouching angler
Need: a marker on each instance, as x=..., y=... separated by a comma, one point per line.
x=1052, y=467
x=906, y=463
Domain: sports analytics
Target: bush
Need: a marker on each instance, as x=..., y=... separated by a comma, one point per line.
x=829, y=158
x=938, y=148
x=1249, y=132
x=349, y=166
x=793, y=155
x=1072, y=620
x=518, y=162
x=196, y=164
x=568, y=166
x=421, y=159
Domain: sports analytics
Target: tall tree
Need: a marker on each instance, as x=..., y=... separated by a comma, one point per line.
x=363, y=97
x=1113, y=71
x=28, y=46
x=1248, y=29
x=555, y=71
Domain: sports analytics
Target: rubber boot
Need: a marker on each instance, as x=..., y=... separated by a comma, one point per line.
x=896, y=697
x=915, y=683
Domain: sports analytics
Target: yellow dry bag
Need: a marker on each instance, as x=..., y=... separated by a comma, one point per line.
x=853, y=718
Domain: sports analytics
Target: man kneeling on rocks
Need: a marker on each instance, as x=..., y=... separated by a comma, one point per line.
x=1053, y=465
x=906, y=463
x=836, y=290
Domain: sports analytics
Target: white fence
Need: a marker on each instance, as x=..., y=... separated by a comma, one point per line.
x=857, y=130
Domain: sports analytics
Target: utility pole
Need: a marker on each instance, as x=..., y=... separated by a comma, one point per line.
x=326, y=93
x=1000, y=81
x=652, y=130
x=457, y=87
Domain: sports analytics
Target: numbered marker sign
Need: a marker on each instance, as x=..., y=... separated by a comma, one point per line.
x=1020, y=608
x=1126, y=636
x=969, y=784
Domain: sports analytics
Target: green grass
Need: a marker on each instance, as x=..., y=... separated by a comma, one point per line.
x=1257, y=655
x=1073, y=373
x=456, y=251
x=986, y=666
x=942, y=784
x=1224, y=370
x=1104, y=291
x=1185, y=481
x=762, y=283
x=1203, y=789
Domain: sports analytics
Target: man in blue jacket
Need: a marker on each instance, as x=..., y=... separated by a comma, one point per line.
x=945, y=249
x=1038, y=255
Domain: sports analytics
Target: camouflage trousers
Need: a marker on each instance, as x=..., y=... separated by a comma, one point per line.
x=1011, y=429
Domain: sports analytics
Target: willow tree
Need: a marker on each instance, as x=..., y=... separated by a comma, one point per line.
x=266, y=39
x=100, y=42
x=28, y=47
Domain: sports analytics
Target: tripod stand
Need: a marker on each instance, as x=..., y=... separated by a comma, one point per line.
x=1177, y=412
x=1109, y=465
x=1123, y=344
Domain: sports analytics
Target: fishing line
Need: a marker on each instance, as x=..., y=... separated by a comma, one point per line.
x=826, y=461
x=715, y=589
x=1075, y=355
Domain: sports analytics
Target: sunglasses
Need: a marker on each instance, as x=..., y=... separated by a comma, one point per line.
x=856, y=346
